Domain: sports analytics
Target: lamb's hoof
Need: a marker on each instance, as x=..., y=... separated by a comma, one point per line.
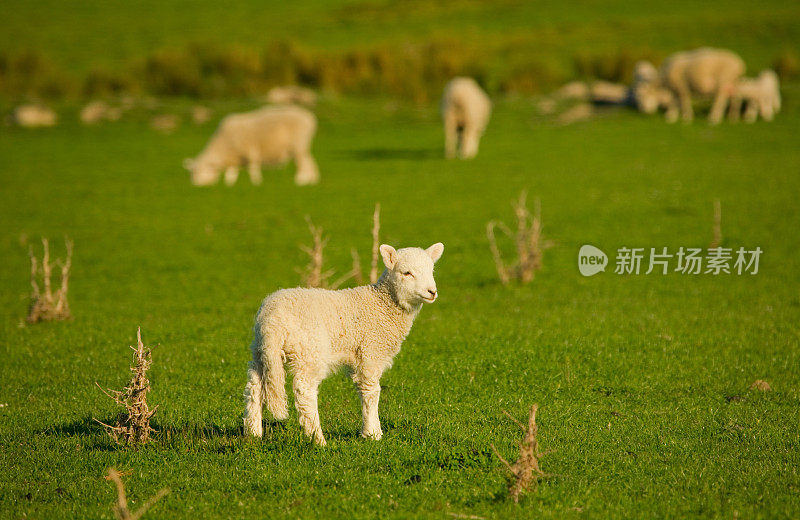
x=253, y=431
x=320, y=441
x=375, y=436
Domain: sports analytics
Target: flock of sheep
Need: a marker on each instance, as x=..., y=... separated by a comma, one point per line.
x=276, y=134
x=715, y=74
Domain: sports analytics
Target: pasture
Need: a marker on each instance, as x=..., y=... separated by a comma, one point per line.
x=642, y=380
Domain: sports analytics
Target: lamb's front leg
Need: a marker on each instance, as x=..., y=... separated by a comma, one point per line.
x=370, y=390
x=231, y=174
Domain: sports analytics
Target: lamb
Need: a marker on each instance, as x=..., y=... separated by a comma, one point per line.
x=465, y=109
x=705, y=72
x=270, y=135
x=760, y=95
x=318, y=330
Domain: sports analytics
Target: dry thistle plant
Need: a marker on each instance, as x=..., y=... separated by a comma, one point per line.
x=121, y=510
x=133, y=425
x=528, y=240
x=716, y=239
x=525, y=472
x=49, y=305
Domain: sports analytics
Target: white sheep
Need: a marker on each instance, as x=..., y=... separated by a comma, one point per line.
x=268, y=136
x=465, y=109
x=34, y=116
x=705, y=72
x=761, y=95
x=318, y=330
x=292, y=94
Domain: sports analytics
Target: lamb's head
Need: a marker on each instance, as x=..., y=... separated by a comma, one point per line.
x=202, y=172
x=409, y=274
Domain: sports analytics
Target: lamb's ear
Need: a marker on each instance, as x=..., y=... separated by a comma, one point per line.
x=389, y=255
x=435, y=251
x=188, y=163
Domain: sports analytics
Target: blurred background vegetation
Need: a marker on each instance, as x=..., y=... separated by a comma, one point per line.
x=52, y=49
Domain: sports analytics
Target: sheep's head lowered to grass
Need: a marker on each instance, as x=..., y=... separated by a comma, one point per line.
x=409, y=274
x=202, y=172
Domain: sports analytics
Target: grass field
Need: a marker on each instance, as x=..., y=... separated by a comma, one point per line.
x=642, y=381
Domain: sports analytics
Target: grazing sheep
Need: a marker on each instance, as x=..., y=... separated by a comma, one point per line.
x=605, y=93
x=705, y=72
x=465, y=109
x=270, y=135
x=97, y=111
x=200, y=114
x=34, y=116
x=317, y=330
x=647, y=93
x=573, y=90
x=165, y=123
x=292, y=94
x=761, y=95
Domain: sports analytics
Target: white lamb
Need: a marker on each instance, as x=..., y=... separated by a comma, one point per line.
x=465, y=109
x=268, y=136
x=704, y=72
x=318, y=330
x=761, y=95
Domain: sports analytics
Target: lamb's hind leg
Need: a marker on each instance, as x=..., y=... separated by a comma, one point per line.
x=307, y=171
x=254, y=399
x=306, y=389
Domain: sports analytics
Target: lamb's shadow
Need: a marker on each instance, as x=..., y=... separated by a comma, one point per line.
x=379, y=154
x=94, y=432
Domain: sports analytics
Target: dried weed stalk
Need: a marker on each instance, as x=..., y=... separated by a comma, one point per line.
x=525, y=472
x=121, y=510
x=133, y=425
x=313, y=274
x=528, y=240
x=716, y=239
x=49, y=305
x=376, y=227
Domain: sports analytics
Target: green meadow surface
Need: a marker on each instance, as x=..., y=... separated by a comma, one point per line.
x=642, y=381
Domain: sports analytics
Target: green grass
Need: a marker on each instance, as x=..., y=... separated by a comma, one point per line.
x=631, y=373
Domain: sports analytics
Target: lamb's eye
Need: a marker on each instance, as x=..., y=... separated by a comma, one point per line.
x=407, y=273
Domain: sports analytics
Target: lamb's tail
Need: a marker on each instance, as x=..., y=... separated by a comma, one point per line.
x=266, y=380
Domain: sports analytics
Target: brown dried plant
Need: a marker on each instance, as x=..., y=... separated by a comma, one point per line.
x=716, y=239
x=376, y=244
x=525, y=472
x=313, y=274
x=49, y=305
x=133, y=425
x=528, y=240
x=121, y=510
